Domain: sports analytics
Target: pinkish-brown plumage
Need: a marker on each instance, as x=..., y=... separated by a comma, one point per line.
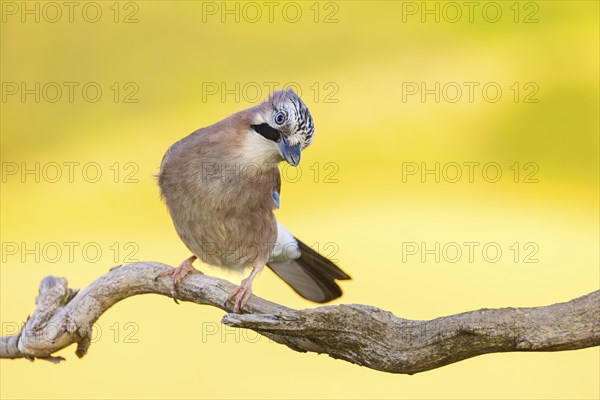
x=221, y=204
x=221, y=185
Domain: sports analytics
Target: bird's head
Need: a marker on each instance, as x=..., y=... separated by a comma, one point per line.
x=286, y=122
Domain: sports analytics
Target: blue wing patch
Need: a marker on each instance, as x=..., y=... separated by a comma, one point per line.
x=276, y=198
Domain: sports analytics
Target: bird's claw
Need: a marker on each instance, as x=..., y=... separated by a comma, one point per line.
x=174, y=281
x=240, y=295
x=178, y=274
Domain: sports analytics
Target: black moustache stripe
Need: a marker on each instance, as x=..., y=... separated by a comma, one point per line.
x=267, y=132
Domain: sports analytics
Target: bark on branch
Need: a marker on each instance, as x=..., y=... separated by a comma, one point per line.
x=360, y=334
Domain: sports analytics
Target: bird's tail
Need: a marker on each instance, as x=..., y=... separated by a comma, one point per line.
x=311, y=275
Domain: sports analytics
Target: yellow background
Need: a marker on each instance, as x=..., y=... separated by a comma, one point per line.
x=173, y=49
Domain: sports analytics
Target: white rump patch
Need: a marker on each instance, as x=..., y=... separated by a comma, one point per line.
x=286, y=248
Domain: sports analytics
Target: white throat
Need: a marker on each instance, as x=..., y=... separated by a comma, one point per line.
x=258, y=150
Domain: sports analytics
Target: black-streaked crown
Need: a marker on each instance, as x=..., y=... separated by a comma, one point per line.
x=292, y=117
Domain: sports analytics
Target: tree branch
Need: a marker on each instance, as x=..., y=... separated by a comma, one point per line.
x=360, y=334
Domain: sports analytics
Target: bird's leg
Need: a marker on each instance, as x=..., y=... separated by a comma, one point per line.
x=242, y=293
x=179, y=273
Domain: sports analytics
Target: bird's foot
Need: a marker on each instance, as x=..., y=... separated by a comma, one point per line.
x=178, y=274
x=240, y=295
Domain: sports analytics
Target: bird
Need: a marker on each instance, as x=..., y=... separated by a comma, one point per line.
x=221, y=185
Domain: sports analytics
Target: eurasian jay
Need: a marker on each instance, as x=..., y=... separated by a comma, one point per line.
x=221, y=185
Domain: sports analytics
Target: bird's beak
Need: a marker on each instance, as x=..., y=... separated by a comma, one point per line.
x=290, y=153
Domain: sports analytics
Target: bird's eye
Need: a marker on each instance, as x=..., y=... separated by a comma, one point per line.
x=279, y=118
